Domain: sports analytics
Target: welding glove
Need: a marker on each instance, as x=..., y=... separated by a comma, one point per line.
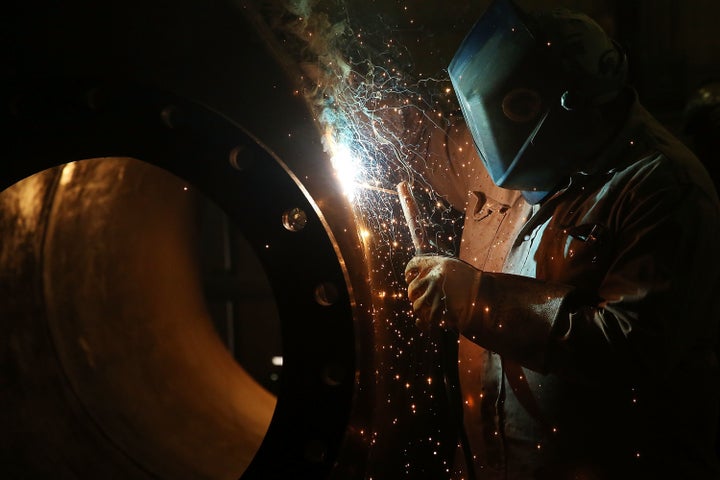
x=442, y=291
x=511, y=315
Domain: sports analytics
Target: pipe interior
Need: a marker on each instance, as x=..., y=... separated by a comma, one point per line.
x=161, y=319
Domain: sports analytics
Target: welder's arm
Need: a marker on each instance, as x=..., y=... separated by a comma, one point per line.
x=508, y=314
x=650, y=310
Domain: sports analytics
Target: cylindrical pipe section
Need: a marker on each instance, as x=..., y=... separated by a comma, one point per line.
x=111, y=349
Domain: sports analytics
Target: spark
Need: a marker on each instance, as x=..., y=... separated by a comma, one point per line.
x=374, y=109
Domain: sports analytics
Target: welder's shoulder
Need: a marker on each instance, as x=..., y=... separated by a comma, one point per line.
x=680, y=165
x=669, y=165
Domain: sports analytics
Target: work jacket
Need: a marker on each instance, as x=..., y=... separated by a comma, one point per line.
x=592, y=350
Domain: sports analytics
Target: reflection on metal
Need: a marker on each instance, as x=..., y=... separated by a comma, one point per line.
x=127, y=320
x=295, y=219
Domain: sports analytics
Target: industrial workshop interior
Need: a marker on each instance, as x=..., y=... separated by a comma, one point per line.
x=190, y=287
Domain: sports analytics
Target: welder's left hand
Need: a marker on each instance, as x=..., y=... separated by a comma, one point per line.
x=442, y=291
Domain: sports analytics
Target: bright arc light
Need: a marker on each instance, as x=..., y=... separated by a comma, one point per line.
x=347, y=168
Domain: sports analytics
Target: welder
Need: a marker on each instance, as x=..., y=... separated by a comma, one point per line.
x=587, y=288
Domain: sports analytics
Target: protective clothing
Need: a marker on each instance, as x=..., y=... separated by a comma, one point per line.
x=590, y=352
x=527, y=86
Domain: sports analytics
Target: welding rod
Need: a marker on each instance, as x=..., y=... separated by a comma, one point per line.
x=413, y=218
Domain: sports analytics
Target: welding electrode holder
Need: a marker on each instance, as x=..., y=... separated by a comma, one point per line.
x=413, y=219
x=448, y=346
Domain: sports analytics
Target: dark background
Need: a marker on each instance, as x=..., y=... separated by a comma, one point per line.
x=673, y=46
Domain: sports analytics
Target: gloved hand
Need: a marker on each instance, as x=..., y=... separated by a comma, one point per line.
x=442, y=291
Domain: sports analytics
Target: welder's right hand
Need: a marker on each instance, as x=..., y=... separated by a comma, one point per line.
x=442, y=291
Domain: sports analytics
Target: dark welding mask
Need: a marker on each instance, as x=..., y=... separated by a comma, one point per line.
x=523, y=82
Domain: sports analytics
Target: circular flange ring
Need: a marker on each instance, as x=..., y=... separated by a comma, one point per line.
x=55, y=122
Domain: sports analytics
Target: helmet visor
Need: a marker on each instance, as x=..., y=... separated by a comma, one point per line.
x=500, y=77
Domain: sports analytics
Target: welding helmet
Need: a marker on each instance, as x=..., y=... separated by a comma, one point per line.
x=525, y=83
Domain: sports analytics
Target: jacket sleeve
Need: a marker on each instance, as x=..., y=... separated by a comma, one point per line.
x=514, y=316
